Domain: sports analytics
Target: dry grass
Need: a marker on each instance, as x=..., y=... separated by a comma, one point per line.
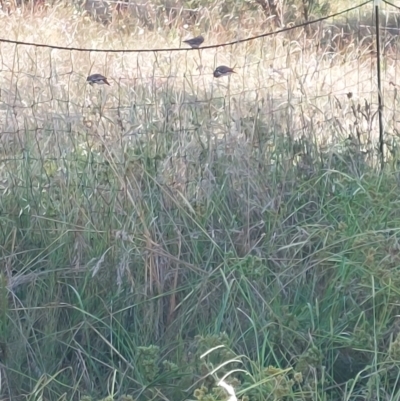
x=295, y=81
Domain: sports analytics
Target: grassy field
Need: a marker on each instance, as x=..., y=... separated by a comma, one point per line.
x=173, y=229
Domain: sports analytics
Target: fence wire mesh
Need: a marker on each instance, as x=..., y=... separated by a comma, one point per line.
x=316, y=81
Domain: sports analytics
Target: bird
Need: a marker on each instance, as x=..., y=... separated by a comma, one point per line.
x=223, y=71
x=195, y=43
x=97, y=79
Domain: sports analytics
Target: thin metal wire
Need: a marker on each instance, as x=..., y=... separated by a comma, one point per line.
x=391, y=4
x=78, y=49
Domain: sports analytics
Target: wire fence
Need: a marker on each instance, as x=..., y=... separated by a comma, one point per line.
x=317, y=79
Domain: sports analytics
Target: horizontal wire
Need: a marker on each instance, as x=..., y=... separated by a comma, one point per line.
x=391, y=4
x=78, y=49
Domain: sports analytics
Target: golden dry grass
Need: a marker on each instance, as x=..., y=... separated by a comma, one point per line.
x=323, y=82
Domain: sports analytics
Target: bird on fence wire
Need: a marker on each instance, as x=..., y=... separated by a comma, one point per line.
x=97, y=79
x=194, y=43
x=223, y=71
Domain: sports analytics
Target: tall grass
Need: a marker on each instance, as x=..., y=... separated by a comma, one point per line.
x=174, y=229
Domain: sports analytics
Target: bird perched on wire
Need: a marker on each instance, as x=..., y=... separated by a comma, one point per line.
x=223, y=71
x=195, y=42
x=97, y=79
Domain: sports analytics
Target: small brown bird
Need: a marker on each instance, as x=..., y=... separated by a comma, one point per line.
x=195, y=42
x=223, y=71
x=97, y=79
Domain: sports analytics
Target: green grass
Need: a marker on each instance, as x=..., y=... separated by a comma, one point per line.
x=300, y=274
x=171, y=230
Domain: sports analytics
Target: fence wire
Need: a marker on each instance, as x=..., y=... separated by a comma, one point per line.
x=319, y=78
